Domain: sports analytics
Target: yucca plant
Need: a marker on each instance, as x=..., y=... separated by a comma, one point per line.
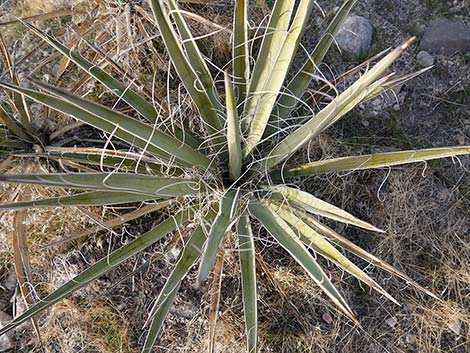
x=232, y=172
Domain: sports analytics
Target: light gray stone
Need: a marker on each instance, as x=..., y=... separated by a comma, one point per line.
x=425, y=59
x=446, y=37
x=6, y=340
x=355, y=37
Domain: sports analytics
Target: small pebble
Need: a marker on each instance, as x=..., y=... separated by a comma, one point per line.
x=392, y=322
x=425, y=59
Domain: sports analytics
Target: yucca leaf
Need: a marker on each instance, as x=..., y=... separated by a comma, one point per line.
x=286, y=237
x=396, y=82
x=146, y=185
x=332, y=112
x=93, y=198
x=130, y=130
x=241, y=53
x=103, y=266
x=358, y=251
x=187, y=259
x=168, y=143
x=370, y=161
x=222, y=224
x=319, y=207
x=124, y=92
x=299, y=83
x=18, y=101
x=187, y=73
x=262, y=95
x=120, y=160
x=13, y=125
x=233, y=132
x=246, y=253
x=194, y=54
x=315, y=241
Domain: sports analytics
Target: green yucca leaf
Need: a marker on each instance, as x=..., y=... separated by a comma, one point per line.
x=233, y=132
x=148, y=110
x=104, y=265
x=155, y=187
x=130, y=130
x=124, y=92
x=287, y=238
x=10, y=144
x=241, y=53
x=316, y=242
x=394, y=83
x=319, y=207
x=369, y=161
x=94, y=198
x=195, y=56
x=358, y=251
x=332, y=112
x=299, y=83
x=13, y=125
x=118, y=160
x=18, y=101
x=188, y=74
x=221, y=225
x=271, y=44
x=186, y=261
x=247, y=255
x=262, y=96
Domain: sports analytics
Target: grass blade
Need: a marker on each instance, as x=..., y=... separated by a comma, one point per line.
x=233, y=132
x=103, y=266
x=299, y=83
x=286, y=237
x=241, y=53
x=319, y=207
x=222, y=224
x=262, y=96
x=315, y=241
x=146, y=185
x=23, y=262
x=215, y=298
x=370, y=161
x=247, y=256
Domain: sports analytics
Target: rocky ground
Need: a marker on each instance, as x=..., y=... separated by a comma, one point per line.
x=424, y=208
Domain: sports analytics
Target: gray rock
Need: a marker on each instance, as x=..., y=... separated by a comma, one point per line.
x=446, y=37
x=425, y=59
x=355, y=37
x=6, y=340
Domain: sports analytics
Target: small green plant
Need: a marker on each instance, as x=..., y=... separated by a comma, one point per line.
x=236, y=172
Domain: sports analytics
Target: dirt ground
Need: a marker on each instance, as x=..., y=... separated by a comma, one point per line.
x=424, y=208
